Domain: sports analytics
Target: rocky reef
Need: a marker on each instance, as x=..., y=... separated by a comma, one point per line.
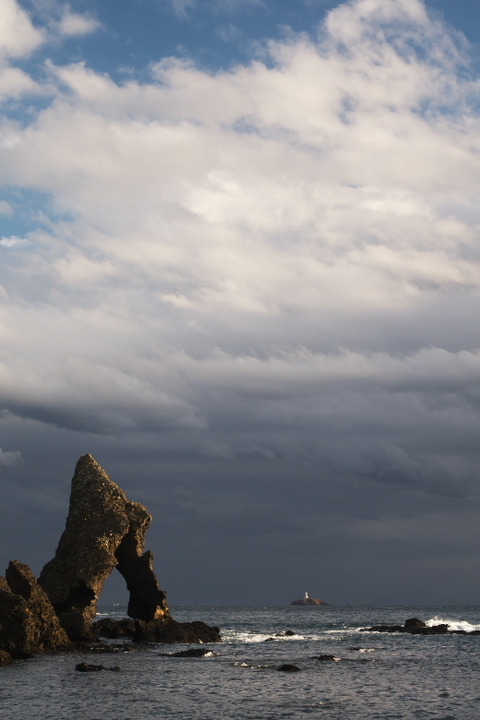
x=104, y=531
x=415, y=626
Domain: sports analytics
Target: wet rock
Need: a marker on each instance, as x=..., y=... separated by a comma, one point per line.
x=104, y=648
x=28, y=624
x=5, y=658
x=113, y=629
x=168, y=630
x=286, y=667
x=414, y=626
x=326, y=658
x=414, y=623
x=87, y=667
x=433, y=630
x=103, y=531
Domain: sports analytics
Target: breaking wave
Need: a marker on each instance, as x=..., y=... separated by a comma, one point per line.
x=453, y=624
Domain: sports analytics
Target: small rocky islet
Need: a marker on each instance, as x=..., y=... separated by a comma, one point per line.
x=56, y=613
x=309, y=601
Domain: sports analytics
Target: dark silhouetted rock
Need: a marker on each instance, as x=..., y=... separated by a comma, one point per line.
x=99, y=648
x=103, y=531
x=413, y=626
x=166, y=630
x=113, y=629
x=286, y=667
x=5, y=658
x=28, y=623
x=169, y=630
x=87, y=667
x=194, y=652
x=326, y=658
x=414, y=623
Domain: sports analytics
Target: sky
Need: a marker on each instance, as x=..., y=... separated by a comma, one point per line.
x=240, y=266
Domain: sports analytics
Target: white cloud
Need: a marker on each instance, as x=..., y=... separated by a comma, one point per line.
x=76, y=24
x=18, y=36
x=281, y=246
x=12, y=241
x=14, y=83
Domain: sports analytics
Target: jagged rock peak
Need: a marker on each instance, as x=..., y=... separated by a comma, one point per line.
x=29, y=625
x=104, y=530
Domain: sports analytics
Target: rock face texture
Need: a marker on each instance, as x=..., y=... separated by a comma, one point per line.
x=28, y=623
x=5, y=658
x=104, y=530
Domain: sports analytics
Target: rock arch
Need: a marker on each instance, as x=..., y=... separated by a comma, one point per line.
x=103, y=531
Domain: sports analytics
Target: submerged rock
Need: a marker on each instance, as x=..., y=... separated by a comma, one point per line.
x=28, y=623
x=193, y=652
x=87, y=667
x=286, y=667
x=104, y=530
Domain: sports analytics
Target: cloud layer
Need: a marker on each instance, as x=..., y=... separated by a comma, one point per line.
x=279, y=261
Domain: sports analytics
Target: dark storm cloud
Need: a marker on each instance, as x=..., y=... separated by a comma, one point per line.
x=254, y=300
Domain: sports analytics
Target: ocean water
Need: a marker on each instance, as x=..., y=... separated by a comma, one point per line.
x=377, y=675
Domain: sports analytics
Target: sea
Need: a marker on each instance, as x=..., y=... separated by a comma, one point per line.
x=372, y=675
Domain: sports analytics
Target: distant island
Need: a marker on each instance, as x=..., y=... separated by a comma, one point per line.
x=307, y=600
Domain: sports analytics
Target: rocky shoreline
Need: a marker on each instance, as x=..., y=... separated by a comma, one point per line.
x=56, y=613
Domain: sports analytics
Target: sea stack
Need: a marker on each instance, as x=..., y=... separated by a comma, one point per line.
x=307, y=600
x=103, y=531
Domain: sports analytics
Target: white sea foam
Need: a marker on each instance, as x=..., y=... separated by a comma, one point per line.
x=246, y=637
x=453, y=624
